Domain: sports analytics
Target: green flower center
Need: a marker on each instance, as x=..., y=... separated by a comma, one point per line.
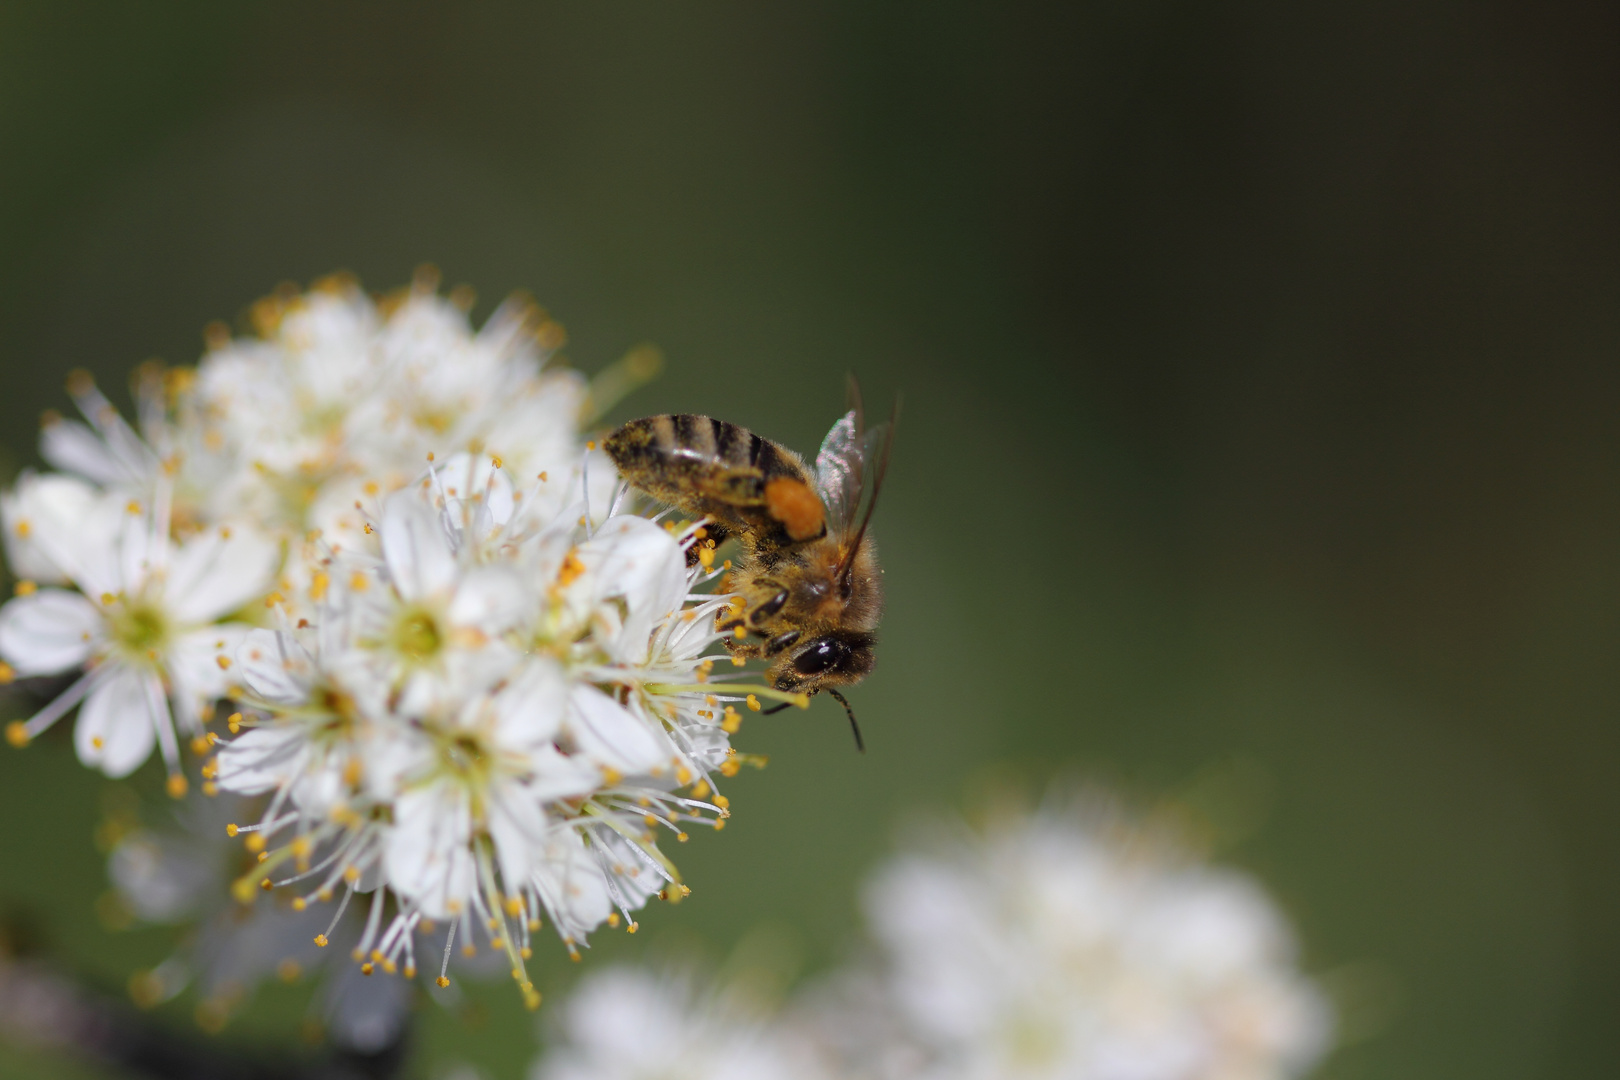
x=416, y=635
x=141, y=630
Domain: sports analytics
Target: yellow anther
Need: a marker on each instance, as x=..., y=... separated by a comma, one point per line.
x=273, y=599
x=359, y=582
x=133, y=507
x=410, y=971
x=739, y=633
x=351, y=874
x=469, y=949
x=514, y=906
x=23, y=529
x=176, y=786
x=318, y=584
x=682, y=837
x=590, y=444
x=389, y=967
x=495, y=460
x=493, y=923
x=263, y=855
x=25, y=588
x=288, y=970
x=266, y=884
x=376, y=956
x=753, y=703
x=632, y=928
x=442, y=982
x=210, y=788
x=366, y=969
x=534, y=924
x=526, y=952
x=542, y=478
x=234, y=722
x=299, y=903
x=728, y=768
x=211, y=740
x=199, y=745
x=97, y=741
x=108, y=598
x=720, y=824
x=738, y=661
x=722, y=802
x=255, y=842
x=613, y=919
x=531, y=1000
x=231, y=830
x=683, y=775
x=651, y=820
x=17, y=734
x=224, y=662
x=497, y=943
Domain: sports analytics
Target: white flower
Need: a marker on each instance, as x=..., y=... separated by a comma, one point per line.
x=494, y=715
x=1072, y=943
x=623, y=1024
x=477, y=696
x=155, y=639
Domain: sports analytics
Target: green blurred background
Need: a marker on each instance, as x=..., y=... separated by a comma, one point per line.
x=1260, y=388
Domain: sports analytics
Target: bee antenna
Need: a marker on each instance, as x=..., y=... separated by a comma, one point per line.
x=860, y=744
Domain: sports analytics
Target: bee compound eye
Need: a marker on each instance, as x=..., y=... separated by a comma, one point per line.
x=821, y=655
x=769, y=608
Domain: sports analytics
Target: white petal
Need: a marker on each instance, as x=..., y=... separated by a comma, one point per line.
x=52, y=630
x=517, y=826
x=531, y=708
x=201, y=662
x=609, y=734
x=36, y=513
x=555, y=775
x=213, y=574
x=571, y=883
x=275, y=666
x=418, y=553
x=427, y=857
x=492, y=599
x=262, y=759
x=115, y=732
x=74, y=447
x=632, y=562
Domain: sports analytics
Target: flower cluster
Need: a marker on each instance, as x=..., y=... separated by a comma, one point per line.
x=460, y=681
x=1068, y=943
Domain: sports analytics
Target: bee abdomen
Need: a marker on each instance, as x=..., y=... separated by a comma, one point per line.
x=686, y=439
x=709, y=466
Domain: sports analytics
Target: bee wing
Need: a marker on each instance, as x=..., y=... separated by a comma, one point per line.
x=839, y=466
x=843, y=466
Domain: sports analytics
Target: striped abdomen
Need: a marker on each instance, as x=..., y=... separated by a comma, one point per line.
x=711, y=467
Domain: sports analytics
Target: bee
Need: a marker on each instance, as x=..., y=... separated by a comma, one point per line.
x=808, y=575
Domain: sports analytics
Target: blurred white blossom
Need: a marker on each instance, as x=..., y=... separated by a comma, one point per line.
x=629, y=1024
x=1072, y=943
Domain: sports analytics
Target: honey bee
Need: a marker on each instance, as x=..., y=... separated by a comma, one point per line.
x=808, y=574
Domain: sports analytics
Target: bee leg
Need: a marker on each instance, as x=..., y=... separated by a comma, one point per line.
x=713, y=534
x=746, y=650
